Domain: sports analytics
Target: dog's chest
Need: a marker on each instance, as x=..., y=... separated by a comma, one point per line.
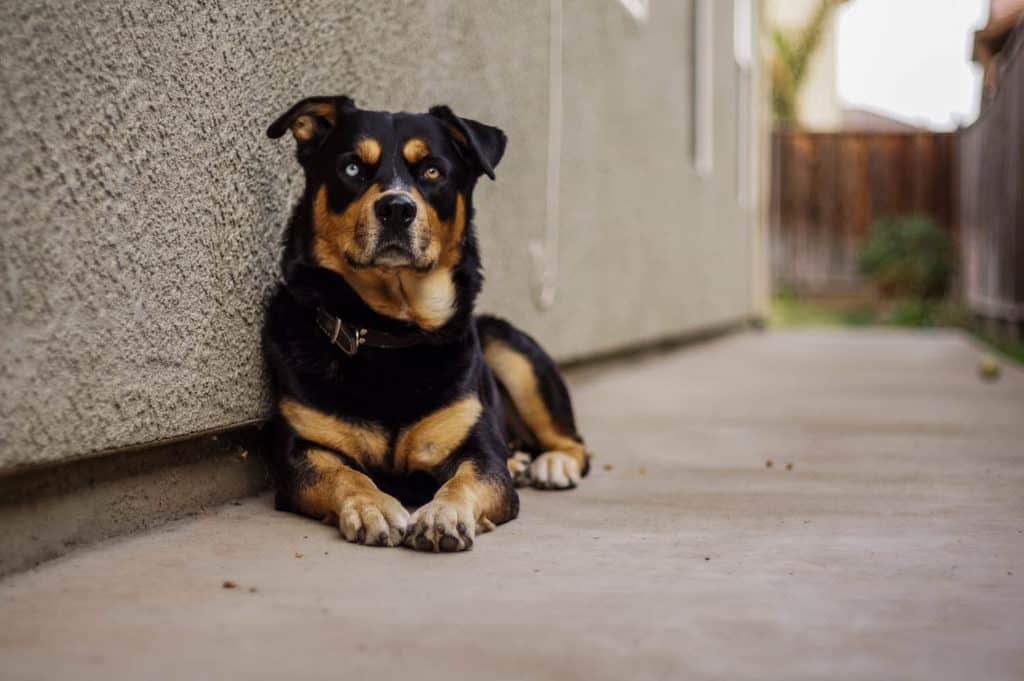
x=421, y=444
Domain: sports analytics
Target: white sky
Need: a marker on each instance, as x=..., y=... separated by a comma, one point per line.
x=910, y=59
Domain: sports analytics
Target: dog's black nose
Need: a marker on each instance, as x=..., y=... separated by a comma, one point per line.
x=395, y=211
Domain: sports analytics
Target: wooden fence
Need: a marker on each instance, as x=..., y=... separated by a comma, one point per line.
x=828, y=188
x=992, y=209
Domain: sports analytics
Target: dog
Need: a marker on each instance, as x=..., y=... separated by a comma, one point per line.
x=389, y=391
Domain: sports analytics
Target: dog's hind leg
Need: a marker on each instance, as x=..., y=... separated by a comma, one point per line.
x=541, y=417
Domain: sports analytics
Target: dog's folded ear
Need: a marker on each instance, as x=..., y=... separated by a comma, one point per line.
x=312, y=118
x=484, y=144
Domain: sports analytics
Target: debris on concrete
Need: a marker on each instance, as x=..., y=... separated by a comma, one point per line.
x=988, y=368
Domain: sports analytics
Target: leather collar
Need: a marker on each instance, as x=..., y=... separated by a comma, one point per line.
x=349, y=339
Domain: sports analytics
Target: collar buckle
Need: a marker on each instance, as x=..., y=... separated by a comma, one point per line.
x=340, y=336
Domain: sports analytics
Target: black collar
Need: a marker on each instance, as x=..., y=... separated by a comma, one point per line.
x=349, y=338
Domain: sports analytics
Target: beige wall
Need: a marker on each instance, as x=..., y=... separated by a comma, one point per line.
x=143, y=204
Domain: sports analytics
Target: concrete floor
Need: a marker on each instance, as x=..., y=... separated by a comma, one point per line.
x=894, y=548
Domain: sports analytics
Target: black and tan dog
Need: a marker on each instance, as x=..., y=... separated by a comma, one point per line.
x=390, y=392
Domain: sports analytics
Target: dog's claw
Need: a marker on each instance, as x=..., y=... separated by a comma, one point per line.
x=442, y=526
x=554, y=470
x=378, y=520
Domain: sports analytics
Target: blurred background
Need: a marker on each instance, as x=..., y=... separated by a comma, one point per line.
x=896, y=190
x=675, y=170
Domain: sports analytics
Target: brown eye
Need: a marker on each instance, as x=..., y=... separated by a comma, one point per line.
x=432, y=173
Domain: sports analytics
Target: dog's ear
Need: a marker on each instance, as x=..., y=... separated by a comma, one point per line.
x=311, y=119
x=484, y=144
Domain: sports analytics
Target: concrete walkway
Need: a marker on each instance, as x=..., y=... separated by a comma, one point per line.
x=893, y=549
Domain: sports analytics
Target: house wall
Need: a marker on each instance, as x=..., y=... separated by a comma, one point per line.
x=143, y=205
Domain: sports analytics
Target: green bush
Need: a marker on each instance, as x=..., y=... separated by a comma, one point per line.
x=920, y=312
x=909, y=257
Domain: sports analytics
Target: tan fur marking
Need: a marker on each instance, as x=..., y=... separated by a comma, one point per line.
x=516, y=373
x=336, y=235
x=415, y=150
x=485, y=500
x=368, y=445
x=445, y=235
x=333, y=481
x=457, y=134
x=368, y=150
x=424, y=297
x=429, y=295
x=325, y=110
x=303, y=126
x=430, y=441
x=348, y=233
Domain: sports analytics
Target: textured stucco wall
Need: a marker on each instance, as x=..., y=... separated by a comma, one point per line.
x=142, y=204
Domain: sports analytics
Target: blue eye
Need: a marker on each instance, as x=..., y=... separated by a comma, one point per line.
x=352, y=169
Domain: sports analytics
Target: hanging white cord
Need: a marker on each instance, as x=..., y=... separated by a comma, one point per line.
x=544, y=253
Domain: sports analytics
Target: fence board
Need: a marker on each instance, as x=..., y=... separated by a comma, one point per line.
x=830, y=187
x=992, y=210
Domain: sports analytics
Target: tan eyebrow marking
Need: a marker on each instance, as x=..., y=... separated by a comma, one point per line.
x=415, y=150
x=368, y=151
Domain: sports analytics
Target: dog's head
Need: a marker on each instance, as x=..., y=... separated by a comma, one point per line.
x=388, y=191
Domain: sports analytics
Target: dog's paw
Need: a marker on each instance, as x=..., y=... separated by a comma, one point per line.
x=441, y=526
x=377, y=520
x=554, y=470
x=519, y=468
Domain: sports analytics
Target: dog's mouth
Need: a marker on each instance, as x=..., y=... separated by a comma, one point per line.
x=393, y=254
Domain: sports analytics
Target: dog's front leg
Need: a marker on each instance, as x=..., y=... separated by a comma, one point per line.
x=478, y=496
x=339, y=494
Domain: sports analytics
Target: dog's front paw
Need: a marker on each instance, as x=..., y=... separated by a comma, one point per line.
x=554, y=470
x=374, y=519
x=519, y=468
x=441, y=526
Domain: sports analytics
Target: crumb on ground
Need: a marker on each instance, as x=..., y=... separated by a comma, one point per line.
x=230, y=584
